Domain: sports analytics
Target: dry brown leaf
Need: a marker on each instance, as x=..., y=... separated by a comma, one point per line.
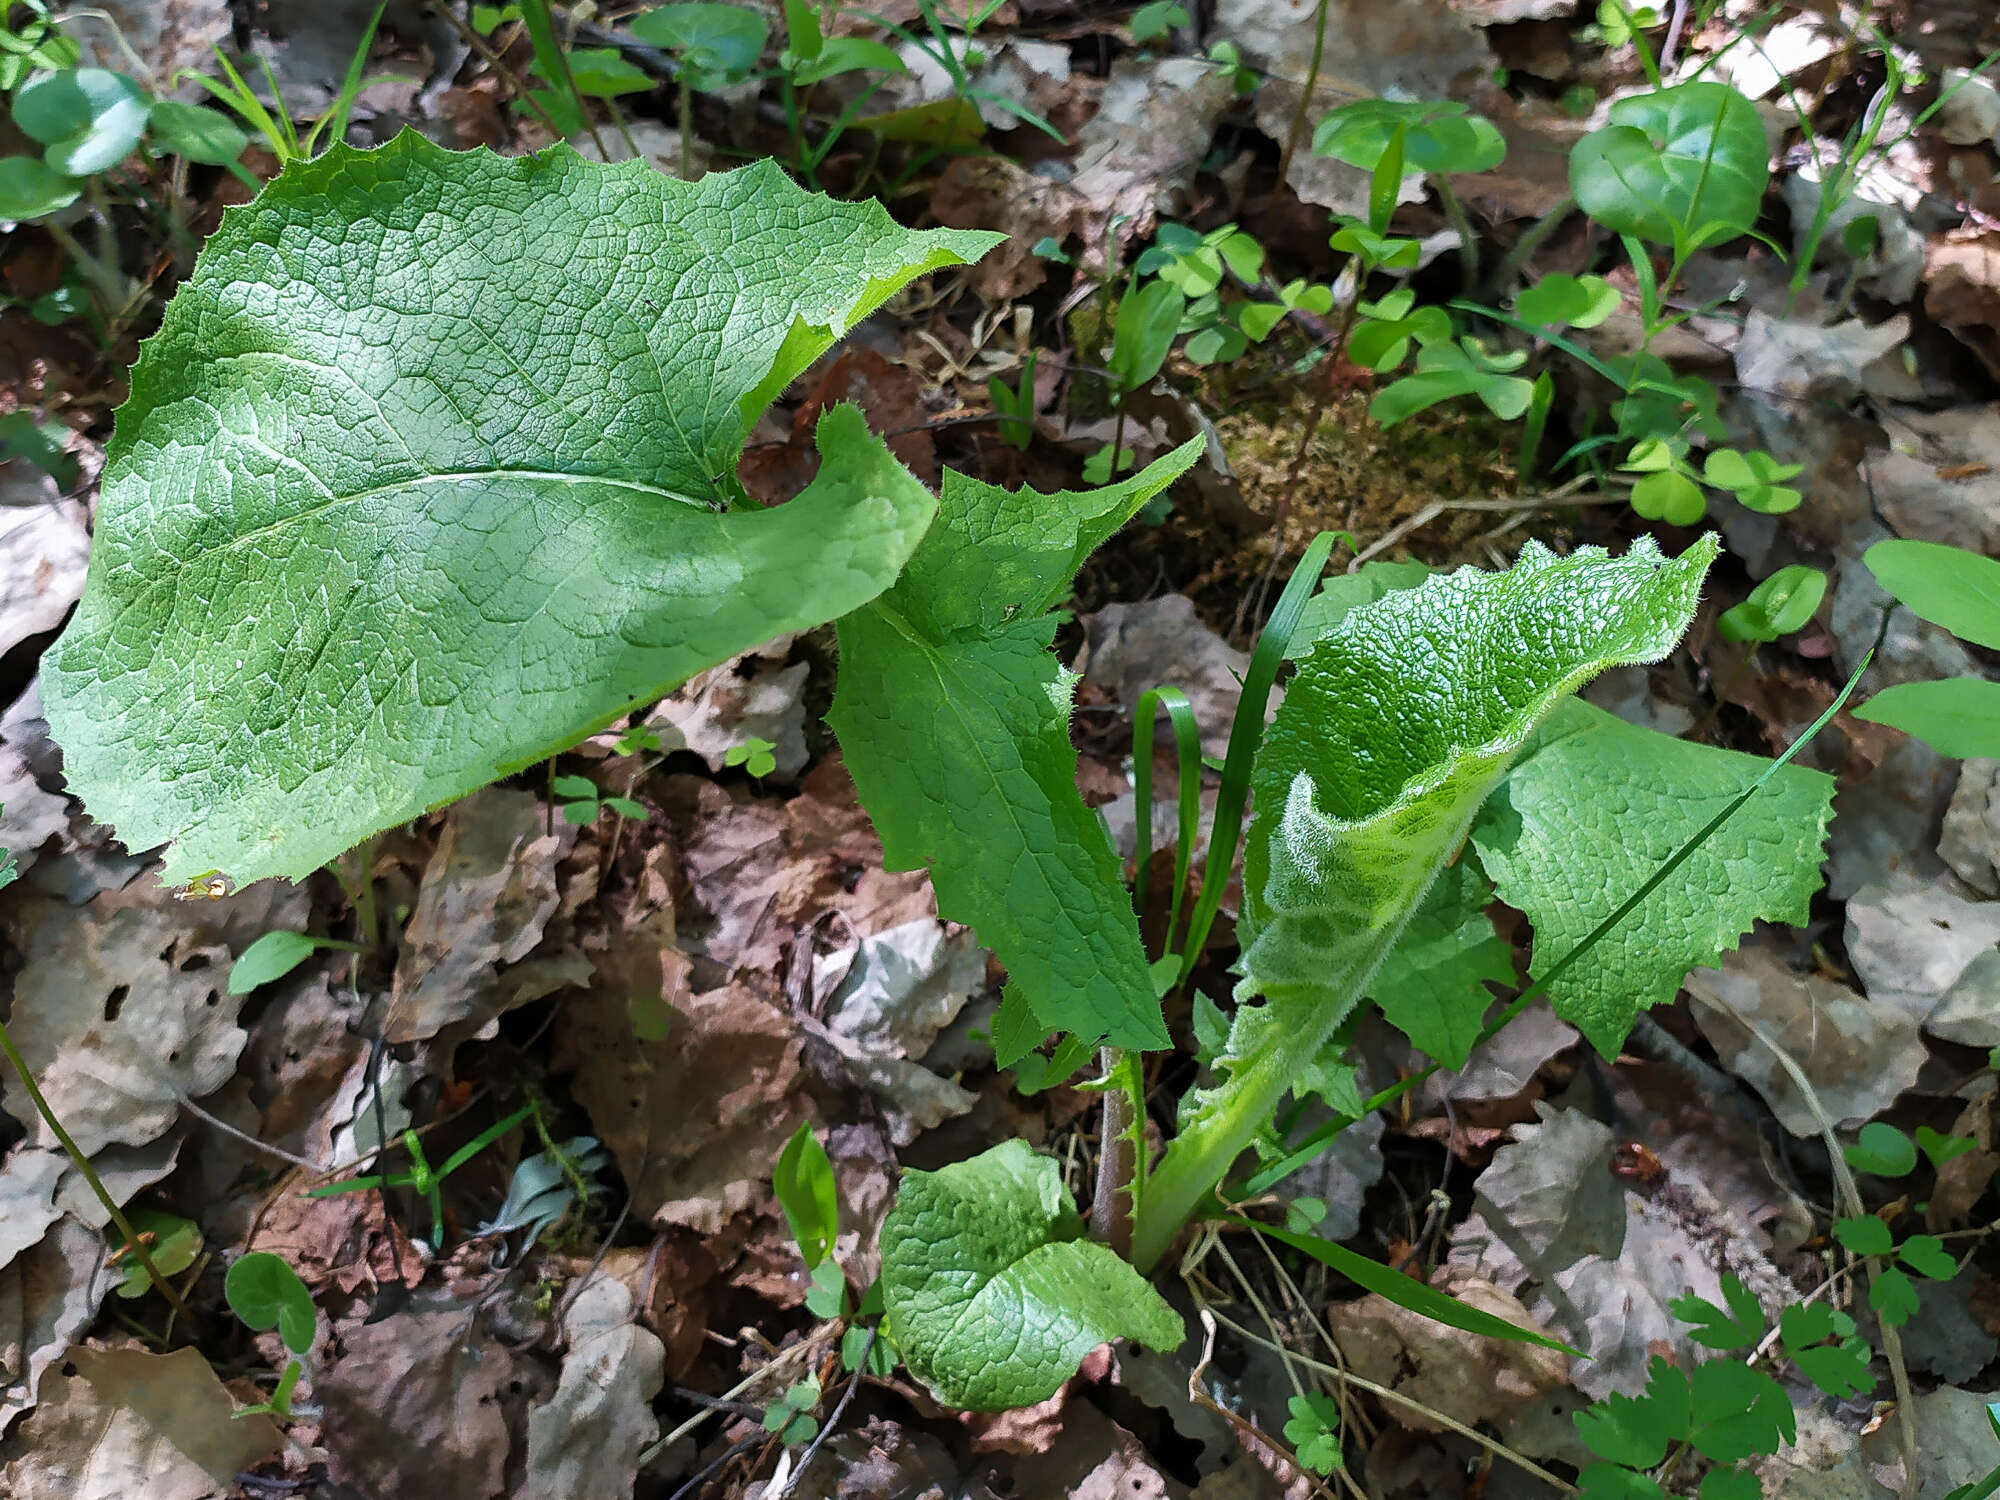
x=43, y=549
x=28, y=1197
x=1970, y=841
x=889, y=395
x=30, y=815
x=1962, y=289
x=976, y=192
x=342, y=1241
x=1138, y=155
x=881, y=1459
x=48, y=1296
x=1462, y=1375
x=693, y=1094
x=1093, y=1458
x=1552, y=1197
x=119, y=1013
x=764, y=870
x=306, y=1064
x=1137, y=647
x=756, y=696
x=484, y=904
x=1858, y=1053
x=417, y=1405
x=584, y=1443
x=115, y=1424
x=1911, y=941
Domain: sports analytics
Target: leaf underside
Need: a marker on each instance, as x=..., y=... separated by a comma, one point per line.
x=1594, y=807
x=953, y=717
x=419, y=480
x=1396, y=728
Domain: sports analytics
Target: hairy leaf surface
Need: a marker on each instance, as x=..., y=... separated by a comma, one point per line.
x=954, y=718
x=1594, y=807
x=424, y=476
x=991, y=1292
x=1396, y=728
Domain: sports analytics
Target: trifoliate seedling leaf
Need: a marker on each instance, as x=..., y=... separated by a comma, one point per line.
x=1313, y=1430
x=1565, y=300
x=90, y=119
x=423, y=479
x=1823, y=1344
x=30, y=188
x=1736, y=1411
x=954, y=718
x=1396, y=728
x=1926, y=1255
x=1432, y=986
x=1438, y=136
x=993, y=1295
x=1882, y=1151
x=1941, y=1148
x=264, y=1291
x=1948, y=586
x=1741, y=1326
x=1596, y=794
x=172, y=1242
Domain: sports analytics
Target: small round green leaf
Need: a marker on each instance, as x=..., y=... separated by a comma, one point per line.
x=719, y=43
x=199, y=134
x=30, y=188
x=264, y=1291
x=1958, y=716
x=1883, y=1151
x=1781, y=604
x=1669, y=496
x=1575, y=301
x=272, y=956
x=1948, y=586
x=1438, y=136
x=1672, y=162
x=90, y=119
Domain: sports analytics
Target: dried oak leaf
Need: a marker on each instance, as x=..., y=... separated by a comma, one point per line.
x=119, y=1423
x=1462, y=1375
x=1962, y=289
x=694, y=1094
x=418, y=1405
x=485, y=902
x=48, y=1296
x=584, y=1443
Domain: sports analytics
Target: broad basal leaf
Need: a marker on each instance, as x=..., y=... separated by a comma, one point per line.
x=1595, y=806
x=1396, y=728
x=423, y=478
x=954, y=718
x=991, y=1292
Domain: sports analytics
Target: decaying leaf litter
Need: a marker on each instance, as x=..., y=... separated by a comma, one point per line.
x=686, y=983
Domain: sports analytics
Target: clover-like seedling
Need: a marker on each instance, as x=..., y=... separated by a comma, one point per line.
x=1313, y=1430
x=716, y=45
x=753, y=755
x=1755, y=477
x=1781, y=604
x=1568, y=301
x=791, y=1415
x=582, y=802
x=265, y=1292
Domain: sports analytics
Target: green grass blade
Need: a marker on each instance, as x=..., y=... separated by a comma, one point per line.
x=1187, y=761
x=1246, y=733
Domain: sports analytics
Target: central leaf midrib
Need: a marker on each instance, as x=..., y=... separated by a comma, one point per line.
x=432, y=477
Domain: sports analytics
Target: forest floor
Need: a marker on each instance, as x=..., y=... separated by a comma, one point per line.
x=685, y=988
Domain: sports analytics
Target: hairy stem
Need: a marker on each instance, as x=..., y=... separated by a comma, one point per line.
x=1118, y=1154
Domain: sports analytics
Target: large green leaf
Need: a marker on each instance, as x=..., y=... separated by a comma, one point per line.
x=991, y=1292
x=954, y=719
x=423, y=479
x=1681, y=166
x=1396, y=728
x=1595, y=806
x=1432, y=986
